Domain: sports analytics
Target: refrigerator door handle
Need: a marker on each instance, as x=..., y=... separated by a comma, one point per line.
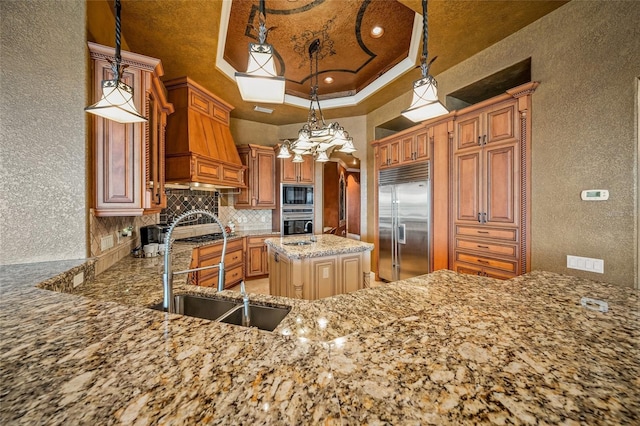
x=402, y=237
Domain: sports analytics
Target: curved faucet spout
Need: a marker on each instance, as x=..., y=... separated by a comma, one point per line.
x=167, y=276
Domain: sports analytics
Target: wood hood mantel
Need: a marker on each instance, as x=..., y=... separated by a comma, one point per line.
x=200, y=148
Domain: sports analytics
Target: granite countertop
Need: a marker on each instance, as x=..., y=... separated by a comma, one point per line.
x=443, y=348
x=299, y=247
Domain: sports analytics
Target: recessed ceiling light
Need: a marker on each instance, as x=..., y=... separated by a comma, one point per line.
x=328, y=80
x=262, y=109
x=377, y=31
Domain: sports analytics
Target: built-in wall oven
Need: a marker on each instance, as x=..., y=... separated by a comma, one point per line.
x=297, y=221
x=296, y=195
x=297, y=209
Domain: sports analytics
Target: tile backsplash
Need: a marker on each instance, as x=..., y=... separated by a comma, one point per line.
x=180, y=201
x=220, y=203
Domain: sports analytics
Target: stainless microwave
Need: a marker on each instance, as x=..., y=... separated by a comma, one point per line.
x=297, y=194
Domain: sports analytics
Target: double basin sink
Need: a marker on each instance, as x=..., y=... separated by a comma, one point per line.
x=227, y=311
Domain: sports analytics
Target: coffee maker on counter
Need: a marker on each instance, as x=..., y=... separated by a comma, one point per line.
x=152, y=234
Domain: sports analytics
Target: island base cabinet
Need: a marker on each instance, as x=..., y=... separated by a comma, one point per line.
x=318, y=277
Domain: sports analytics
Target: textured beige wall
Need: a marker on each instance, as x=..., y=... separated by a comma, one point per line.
x=43, y=80
x=586, y=55
x=251, y=132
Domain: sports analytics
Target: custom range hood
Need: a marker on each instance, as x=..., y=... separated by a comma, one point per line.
x=200, y=152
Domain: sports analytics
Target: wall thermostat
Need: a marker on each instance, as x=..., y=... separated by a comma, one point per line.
x=595, y=195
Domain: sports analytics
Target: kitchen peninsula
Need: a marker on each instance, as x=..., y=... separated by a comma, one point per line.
x=313, y=267
x=443, y=348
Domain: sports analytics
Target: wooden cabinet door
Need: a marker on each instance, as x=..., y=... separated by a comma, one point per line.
x=421, y=146
x=501, y=185
x=255, y=261
x=468, y=191
x=288, y=171
x=306, y=170
x=279, y=275
x=407, y=151
x=264, y=185
x=468, y=132
x=243, y=198
x=500, y=124
x=384, y=155
x=394, y=153
x=117, y=153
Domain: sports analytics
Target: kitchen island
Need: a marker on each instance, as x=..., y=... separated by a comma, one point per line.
x=443, y=348
x=317, y=266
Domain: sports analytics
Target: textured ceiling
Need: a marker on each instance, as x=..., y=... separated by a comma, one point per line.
x=184, y=35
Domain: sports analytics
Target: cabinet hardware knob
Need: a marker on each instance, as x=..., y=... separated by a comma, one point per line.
x=480, y=140
x=483, y=232
x=483, y=261
x=484, y=217
x=483, y=247
x=484, y=140
x=480, y=217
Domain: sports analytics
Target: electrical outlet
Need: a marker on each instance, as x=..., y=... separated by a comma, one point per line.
x=585, y=264
x=78, y=279
x=106, y=242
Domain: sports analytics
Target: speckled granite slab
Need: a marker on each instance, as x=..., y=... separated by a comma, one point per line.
x=324, y=245
x=443, y=348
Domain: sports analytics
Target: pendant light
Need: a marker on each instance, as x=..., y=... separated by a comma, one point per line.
x=116, y=102
x=316, y=137
x=261, y=83
x=425, y=103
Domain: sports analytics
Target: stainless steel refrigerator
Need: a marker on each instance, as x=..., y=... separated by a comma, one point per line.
x=404, y=206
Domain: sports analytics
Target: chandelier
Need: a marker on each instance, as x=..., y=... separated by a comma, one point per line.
x=116, y=102
x=261, y=83
x=316, y=138
x=425, y=103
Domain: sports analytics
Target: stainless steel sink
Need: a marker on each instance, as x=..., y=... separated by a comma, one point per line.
x=200, y=307
x=263, y=317
x=297, y=243
x=230, y=312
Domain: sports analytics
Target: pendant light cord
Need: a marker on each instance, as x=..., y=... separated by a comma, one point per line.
x=425, y=30
x=115, y=66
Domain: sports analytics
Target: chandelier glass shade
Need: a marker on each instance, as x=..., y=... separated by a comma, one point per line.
x=116, y=102
x=425, y=103
x=316, y=138
x=261, y=82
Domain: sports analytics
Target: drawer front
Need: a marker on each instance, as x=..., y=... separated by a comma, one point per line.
x=483, y=272
x=232, y=276
x=505, y=234
x=256, y=240
x=215, y=249
x=505, y=250
x=503, y=265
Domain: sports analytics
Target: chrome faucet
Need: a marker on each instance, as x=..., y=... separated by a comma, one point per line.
x=246, y=317
x=167, y=276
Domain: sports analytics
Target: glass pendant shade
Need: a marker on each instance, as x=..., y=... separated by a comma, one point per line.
x=322, y=157
x=116, y=103
x=284, y=152
x=425, y=103
x=297, y=159
x=261, y=83
x=348, y=147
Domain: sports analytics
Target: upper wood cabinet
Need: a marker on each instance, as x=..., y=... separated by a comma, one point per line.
x=128, y=159
x=291, y=172
x=200, y=148
x=406, y=147
x=260, y=177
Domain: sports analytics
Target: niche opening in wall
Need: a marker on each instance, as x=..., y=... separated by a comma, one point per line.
x=490, y=86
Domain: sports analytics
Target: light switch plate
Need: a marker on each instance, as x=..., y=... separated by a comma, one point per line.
x=585, y=264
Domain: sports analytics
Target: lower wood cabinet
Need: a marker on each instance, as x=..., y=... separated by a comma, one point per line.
x=318, y=277
x=257, y=257
x=210, y=255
